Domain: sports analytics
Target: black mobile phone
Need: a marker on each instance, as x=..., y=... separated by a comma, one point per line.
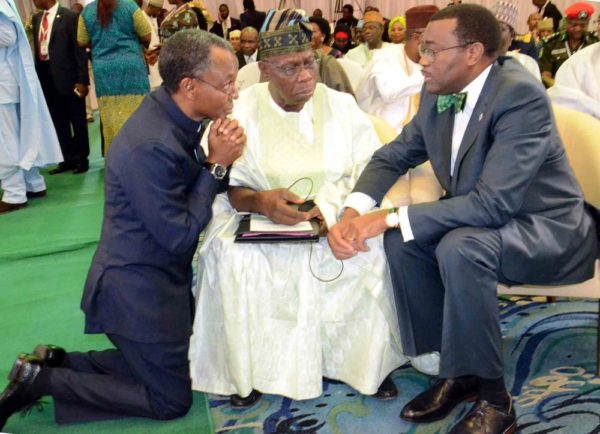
x=306, y=206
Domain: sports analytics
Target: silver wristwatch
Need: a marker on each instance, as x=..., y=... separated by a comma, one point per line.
x=217, y=170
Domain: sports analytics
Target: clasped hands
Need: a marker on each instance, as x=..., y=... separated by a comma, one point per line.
x=226, y=140
x=349, y=235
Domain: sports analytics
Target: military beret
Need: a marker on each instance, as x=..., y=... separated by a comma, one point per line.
x=580, y=11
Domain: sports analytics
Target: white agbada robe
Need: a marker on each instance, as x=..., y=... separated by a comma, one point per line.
x=32, y=141
x=391, y=86
x=263, y=321
x=362, y=55
x=577, y=82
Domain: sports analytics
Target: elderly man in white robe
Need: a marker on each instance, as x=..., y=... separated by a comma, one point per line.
x=392, y=81
x=577, y=82
x=277, y=318
x=27, y=137
x=373, y=34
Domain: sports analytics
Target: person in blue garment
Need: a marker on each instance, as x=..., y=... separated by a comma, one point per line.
x=27, y=137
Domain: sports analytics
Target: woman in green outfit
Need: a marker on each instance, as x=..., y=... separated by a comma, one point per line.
x=115, y=30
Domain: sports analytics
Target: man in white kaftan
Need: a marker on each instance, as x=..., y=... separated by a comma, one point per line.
x=391, y=86
x=577, y=82
x=274, y=317
x=392, y=81
x=373, y=33
x=27, y=136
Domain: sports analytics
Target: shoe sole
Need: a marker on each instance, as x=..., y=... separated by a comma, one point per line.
x=386, y=398
x=470, y=398
x=242, y=407
x=14, y=208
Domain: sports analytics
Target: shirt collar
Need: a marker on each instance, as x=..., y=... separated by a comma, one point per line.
x=306, y=110
x=181, y=119
x=53, y=10
x=475, y=87
x=543, y=8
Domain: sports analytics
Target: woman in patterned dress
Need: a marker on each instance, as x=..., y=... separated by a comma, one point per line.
x=115, y=30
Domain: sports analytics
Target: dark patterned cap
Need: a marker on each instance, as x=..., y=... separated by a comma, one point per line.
x=283, y=32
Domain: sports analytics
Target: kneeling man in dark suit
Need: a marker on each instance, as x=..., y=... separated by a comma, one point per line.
x=159, y=190
x=512, y=212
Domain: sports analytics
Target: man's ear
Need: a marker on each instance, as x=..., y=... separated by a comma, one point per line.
x=475, y=52
x=187, y=87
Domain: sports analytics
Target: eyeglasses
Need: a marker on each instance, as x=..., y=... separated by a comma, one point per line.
x=430, y=54
x=294, y=70
x=228, y=89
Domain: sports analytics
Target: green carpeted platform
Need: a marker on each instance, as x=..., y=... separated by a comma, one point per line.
x=45, y=252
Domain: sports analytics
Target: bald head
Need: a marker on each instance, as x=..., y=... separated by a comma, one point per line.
x=249, y=41
x=249, y=31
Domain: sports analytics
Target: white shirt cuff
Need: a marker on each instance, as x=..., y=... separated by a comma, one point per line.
x=407, y=233
x=360, y=202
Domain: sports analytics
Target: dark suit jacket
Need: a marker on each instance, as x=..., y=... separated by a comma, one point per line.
x=552, y=11
x=68, y=62
x=253, y=19
x=527, y=48
x=158, y=198
x=217, y=29
x=511, y=173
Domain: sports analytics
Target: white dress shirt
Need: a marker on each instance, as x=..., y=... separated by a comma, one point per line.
x=51, y=17
x=226, y=25
x=251, y=58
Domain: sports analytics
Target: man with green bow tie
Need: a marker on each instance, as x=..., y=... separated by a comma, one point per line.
x=512, y=212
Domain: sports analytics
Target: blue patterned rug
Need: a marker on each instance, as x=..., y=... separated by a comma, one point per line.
x=549, y=351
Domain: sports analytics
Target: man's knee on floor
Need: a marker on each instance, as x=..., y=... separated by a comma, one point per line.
x=166, y=408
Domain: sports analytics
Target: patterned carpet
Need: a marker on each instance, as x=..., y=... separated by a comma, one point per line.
x=550, y=353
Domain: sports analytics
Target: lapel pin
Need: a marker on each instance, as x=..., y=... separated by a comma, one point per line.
x=480, y=117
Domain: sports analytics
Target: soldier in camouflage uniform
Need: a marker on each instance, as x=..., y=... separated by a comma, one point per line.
x=561, y=45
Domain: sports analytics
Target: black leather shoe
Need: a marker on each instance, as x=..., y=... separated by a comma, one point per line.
x=387, y=390
x=34, y=194
x=81, y=168
x=51, y=355
x=18, y=394
x=487, y=418
x=238, y=402
x=6, y=207
x=61, y=168
x=439, y=400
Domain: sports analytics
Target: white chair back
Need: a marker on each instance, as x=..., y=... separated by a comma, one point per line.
x=248, y=75
x=353, y=70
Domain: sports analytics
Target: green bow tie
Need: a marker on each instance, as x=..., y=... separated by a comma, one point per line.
x=456, y=100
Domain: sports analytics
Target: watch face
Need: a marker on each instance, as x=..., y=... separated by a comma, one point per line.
x=219, y=171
